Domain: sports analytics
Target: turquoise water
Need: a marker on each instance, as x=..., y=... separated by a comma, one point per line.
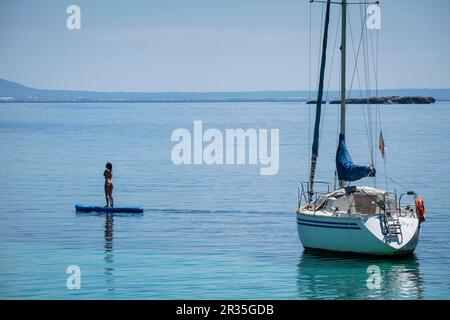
x=209, y=232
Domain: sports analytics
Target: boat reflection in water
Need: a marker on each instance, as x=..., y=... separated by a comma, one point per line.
x=330, y=276
x=109, y=254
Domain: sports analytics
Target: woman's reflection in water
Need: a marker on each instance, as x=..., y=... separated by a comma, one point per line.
x=333, y=276
x=109, y=255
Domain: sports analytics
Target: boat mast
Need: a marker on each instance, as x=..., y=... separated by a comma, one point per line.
x=343, y=47
x=315, y=146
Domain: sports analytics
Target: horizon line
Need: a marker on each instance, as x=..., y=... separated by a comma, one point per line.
x=215, y=91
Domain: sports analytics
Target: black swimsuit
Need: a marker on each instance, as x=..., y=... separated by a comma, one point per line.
x=108, y=179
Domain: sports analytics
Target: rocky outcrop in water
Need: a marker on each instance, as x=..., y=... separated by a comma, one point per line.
x=390, y=100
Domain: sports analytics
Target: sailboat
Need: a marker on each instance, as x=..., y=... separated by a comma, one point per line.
x=350, y=218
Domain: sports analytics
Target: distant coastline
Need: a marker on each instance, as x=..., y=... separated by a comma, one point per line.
x=12, y=92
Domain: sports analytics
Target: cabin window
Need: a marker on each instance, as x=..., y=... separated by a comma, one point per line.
x=319, y=202
x=364, y=204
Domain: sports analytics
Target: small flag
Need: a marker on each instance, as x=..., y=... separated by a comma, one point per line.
x=381, y=145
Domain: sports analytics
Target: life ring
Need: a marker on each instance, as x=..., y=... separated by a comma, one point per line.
x=420, y=207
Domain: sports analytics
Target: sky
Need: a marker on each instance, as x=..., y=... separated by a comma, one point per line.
x=210, y=45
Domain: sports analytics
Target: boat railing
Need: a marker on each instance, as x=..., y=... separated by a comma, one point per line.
x=304, y=191
x=389, y=204
x=394, y=205
x=405, y=206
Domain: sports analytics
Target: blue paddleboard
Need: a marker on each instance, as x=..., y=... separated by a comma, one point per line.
x=82, y=208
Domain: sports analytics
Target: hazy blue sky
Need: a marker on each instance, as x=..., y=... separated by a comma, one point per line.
x=206, y=45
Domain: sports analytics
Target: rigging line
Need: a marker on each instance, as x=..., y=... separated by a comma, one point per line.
x=367, y=109
x=338, y=111
x=365, y=54
x=329, y=82
x=385, y=173
x=396, y=182
x=356, y=71
x=329, y=76
x=372, y=122
x=370, y=108
x=367, y=80
x=373, y=59
x=356, y=54
x=338, y=114
x=378, y=123
x=309, y=56
x=375, y=70
x=376, y=94
x=320, y=46
x=372, y=150
x=377, y=66
x=379, y=109
x=334, y=50
x=337, y=108
x=309, y=84
x=378, y=106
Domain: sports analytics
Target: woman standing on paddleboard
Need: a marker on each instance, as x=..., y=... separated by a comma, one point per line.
x=108, y=185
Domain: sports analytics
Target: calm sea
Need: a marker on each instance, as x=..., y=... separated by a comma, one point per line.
x=208, y=232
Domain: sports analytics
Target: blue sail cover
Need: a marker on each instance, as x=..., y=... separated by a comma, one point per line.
x=346, y=169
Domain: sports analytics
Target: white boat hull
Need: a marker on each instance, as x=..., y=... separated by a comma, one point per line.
x=359, y=234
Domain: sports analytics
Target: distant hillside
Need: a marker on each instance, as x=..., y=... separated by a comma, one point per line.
x=15, y=92
x=11, y=91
